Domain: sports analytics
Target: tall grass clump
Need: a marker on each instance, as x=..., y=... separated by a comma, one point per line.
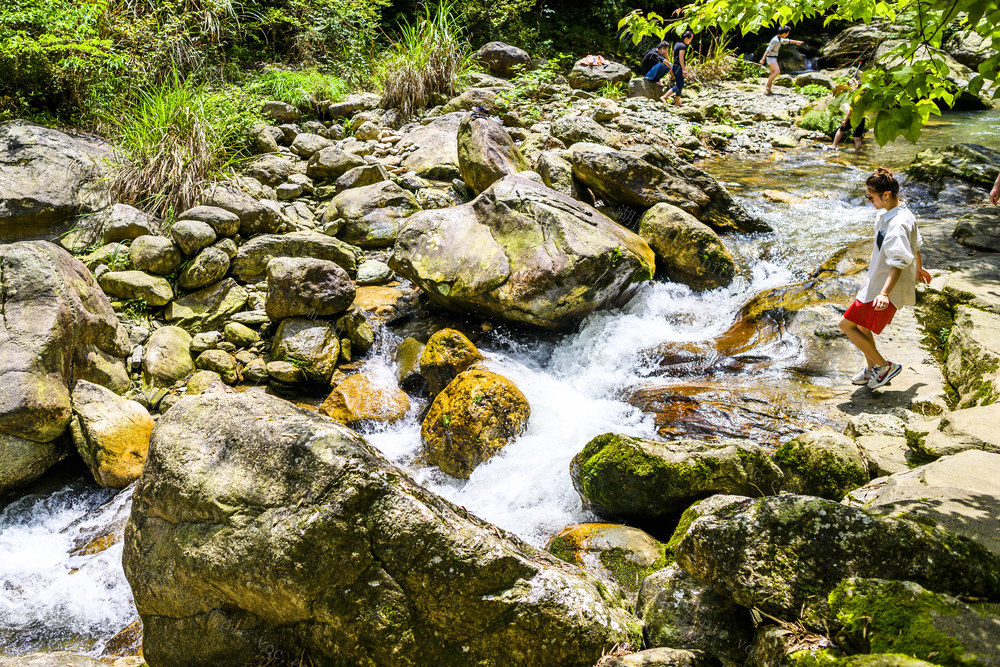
x=430, y=57
x=300, y=88
x=171, y=139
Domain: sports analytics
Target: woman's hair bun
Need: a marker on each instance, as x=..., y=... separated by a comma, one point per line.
x=884, y=171
x=883, y=181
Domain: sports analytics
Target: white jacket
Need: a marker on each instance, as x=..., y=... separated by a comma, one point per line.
x=900, y=243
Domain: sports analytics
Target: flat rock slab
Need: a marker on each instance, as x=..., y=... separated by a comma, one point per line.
x=960, y=493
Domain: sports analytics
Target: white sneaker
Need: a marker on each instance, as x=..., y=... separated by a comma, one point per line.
x=863, y=377
x=881, y=375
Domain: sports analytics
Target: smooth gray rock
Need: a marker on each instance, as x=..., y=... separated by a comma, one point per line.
x=302, y=286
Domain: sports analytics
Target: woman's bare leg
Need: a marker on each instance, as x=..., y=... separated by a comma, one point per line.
x=864, y=340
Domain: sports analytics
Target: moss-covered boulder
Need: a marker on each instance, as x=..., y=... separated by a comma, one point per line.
x=365, y=397
x=486, y=153
x=787, y=646
x=785, y=554
x=313, y=545
x=643, y=177
x=251, y=261
x=522, y=252
x=902, y=617
x=448, y=352
x=679, y=611
x=972, y=163
x=687, y=251
x=623, y=476
x=822, y=463
x=972, y=367
x=471, y=420
x=407, y=358
x=614, y=552
x=167, y=358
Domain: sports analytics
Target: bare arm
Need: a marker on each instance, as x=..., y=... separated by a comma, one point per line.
x=995, y=192
x=923, y=275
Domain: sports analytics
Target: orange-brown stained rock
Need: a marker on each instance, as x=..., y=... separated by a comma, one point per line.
x=363, y=398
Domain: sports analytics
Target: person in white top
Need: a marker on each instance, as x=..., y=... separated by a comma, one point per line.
x=893, y=272
x=771, y=54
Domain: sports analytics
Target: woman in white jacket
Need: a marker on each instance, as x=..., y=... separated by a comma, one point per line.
x=893, y=272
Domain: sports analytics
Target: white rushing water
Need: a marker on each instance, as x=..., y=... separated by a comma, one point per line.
x=52, y=597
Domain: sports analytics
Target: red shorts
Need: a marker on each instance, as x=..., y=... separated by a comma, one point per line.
x=865, y=315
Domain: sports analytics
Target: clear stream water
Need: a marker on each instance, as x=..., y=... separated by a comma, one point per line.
x=53, y=596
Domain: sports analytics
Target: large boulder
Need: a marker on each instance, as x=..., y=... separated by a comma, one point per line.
x=785, y=554
x=979, y=229
x=503, y=60
x=959, y=493
x=471, y=420
x=434, y=147
x=616, y=553
x=273, y=169
x=351, y=561
x=46, y=178
x=111, y=434
x=972, y=163
x=822, y=463
x=644, y=177
x=904, y=618
x=687, y=251
x=120, y=222
x=486, y=153
x=523, y=253
x=678, y=611
x=970, y=48
x=57, y=327
x=851, y=45
x=623, y=476
x=372, y=214
x=251, y=261
x=591, y=78
x=300, y=286
x=208, y=308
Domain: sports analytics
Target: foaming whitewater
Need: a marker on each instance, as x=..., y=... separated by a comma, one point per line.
x=575, y=390
x=52, y=596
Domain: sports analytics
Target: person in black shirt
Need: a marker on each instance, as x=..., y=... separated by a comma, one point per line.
x=679, y=68
x=653, y=67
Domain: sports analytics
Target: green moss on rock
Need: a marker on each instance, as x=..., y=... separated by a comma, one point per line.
x=822, y=463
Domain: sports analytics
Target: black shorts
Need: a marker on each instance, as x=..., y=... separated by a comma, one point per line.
x=859, y=131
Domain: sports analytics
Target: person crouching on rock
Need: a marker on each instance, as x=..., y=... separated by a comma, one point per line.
x=893, y=272
x=771, y=54
x=653, y=67
x=679, y=68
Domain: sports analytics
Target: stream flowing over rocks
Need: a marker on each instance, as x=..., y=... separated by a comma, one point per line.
x=560, y=386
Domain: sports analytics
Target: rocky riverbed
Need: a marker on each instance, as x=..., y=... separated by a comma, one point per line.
x=558, y=387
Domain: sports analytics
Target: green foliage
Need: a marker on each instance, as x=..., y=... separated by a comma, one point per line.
x=814, y=91
x=612, y=90
x=526, y=87
x=429, y=58
x=302, y=88
x=910, y=83
x=173, y=138
x=509, y=21
x=826, y=120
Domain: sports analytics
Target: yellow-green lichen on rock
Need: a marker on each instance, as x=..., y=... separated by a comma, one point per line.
x=471, y=420
x=448, y=352
x=364, y=397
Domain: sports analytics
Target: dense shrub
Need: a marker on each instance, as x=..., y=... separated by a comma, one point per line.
x=430, y=57
x=302, y=88
x=814, y=91
x=172, y=138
